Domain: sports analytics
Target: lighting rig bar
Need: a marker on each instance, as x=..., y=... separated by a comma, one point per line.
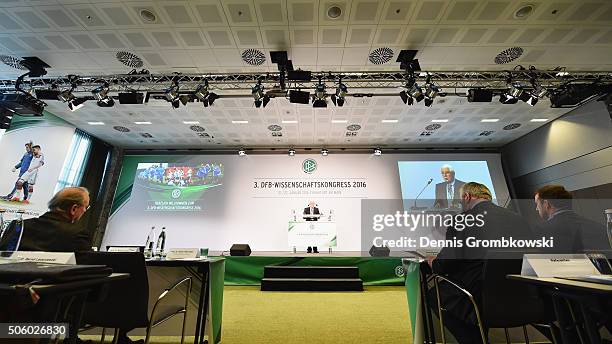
x=355, y=80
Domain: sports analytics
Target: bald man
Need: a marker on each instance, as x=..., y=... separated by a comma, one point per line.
x=58, y=229
x=447, y=192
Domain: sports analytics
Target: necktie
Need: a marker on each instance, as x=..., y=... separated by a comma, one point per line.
x=450, y=192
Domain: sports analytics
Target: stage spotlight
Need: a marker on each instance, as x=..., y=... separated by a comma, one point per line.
x=324, y=152
x=66, y=95
x=76, y=103
x=377, y=151
x=515, y=91
x=172, y=93
x=102, y=97
x=431, y=91
x=261, y=99
x=318, y=99
x=506, y=99
x=416, y=92
x=340, y=96
x=533, y=100
x=291, y=152
x=242, y=152
x=204, y=95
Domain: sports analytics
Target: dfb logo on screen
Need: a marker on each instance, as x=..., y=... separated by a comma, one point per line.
x=309, y=165
x=176, y=193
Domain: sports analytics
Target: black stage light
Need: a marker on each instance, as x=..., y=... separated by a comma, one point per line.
x=505, y=99
x=319, y=103
x=76, y=103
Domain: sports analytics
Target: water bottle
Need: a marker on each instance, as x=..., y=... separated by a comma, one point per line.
x=1, y=222
x=161, y=242
x=148, y=253
x=609, y=221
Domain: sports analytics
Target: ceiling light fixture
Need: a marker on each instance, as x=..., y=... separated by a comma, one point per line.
x=242, y=152
x=324, y=152
x=539, y=120
x=377, y=151
x=143, y=123
x=240, y=122
x=489, y=120
x=291, y=152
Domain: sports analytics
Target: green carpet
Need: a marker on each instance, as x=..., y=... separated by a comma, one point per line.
x=250, y=316
x=377, y=315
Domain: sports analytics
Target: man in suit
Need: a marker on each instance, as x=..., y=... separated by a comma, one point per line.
x=464, y=265
x=447, y=192
x=572, y=233
x=312, y=210
x=58, y=229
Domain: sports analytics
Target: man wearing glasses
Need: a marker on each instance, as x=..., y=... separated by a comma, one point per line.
x=58, y=229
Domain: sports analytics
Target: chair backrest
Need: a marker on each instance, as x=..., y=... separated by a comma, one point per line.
x=126, y=303
x=508, y=303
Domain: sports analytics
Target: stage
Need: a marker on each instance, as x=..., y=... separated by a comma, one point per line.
x=249, y=270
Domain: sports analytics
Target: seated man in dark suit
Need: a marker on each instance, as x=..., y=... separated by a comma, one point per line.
x=58, y=229
x=572, y=233
x=311, y=210
x=447, y=192
x=464, y=265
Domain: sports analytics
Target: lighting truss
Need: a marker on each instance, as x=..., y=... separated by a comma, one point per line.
x=354, y=80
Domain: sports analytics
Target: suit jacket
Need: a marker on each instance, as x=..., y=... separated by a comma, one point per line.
x=49, y=232
x=573, y=233
x=315, y=211
x=442, y=200
x=464, y=265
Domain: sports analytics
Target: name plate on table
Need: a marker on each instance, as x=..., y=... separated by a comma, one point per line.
x=557, y=265
x=39, y=257
x=125, y=248
x=183, y=253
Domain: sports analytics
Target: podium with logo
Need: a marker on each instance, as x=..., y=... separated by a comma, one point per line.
x=302, y=234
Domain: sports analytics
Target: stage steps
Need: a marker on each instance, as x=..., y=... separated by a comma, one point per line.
x=311, y=278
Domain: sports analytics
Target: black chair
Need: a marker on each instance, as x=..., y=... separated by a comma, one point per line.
x=126, y=305
x=504, y=303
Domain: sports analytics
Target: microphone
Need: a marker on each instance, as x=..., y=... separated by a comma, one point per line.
x=425, y=187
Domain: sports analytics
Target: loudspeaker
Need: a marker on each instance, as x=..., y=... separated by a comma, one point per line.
x=376, y=251
x=240, y=250
x=477, y=95
x=301, y=75
x=131, y=98
x=299, y=97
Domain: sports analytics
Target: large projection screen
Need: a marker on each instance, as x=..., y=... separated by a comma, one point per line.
x=214, y=201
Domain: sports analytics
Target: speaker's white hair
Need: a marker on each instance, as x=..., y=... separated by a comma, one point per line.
x=447, y=166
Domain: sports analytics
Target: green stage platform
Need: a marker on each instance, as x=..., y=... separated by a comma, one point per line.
x=249, y=270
